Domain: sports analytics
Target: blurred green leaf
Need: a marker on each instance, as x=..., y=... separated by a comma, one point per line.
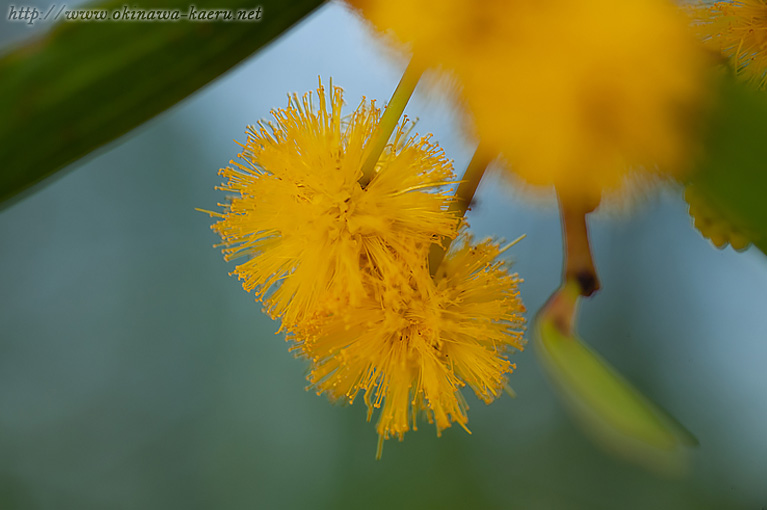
x=733, y=175
x=83, y=84
x=612, y=411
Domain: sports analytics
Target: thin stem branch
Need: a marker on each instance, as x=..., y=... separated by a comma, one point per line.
x=562, y=306
x=390, y=119
x=461, y=202
x=578, y=261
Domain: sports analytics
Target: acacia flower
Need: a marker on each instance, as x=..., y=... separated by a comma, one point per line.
x=578, y=94
x=738, y=30
x=300, y=215
x=415, y=340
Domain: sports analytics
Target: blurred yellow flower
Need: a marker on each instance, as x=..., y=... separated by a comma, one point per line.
x=414, y=340
x=738, y=30
x=574, y=93
x=300, y=215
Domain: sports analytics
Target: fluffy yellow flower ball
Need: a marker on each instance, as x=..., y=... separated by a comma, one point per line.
x=738, y=30
x=415, y=341
x=300, y=215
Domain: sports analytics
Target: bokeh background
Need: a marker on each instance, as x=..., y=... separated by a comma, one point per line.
x=135, y=373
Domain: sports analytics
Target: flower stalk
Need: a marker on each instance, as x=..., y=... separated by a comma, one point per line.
x=461, y=201
x=578, y=261
x=390, y=119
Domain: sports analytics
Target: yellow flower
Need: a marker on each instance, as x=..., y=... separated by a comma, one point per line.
x=574, y=93
x=414, y=341
x=302, y=218
x=737, y=30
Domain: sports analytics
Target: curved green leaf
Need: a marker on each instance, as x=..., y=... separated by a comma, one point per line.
x=733, y=174
x=83, y=84
x=612, y=411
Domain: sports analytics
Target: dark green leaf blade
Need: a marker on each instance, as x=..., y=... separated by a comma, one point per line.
x=733, y=174
x=83, y=84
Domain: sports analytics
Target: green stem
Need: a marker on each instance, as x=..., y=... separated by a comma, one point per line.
x=562, y=306
x=390, y=119
x=460, y=204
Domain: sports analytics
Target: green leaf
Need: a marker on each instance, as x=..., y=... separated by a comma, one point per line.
x=611, y=410
x=83, y=84
x=733, y=175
